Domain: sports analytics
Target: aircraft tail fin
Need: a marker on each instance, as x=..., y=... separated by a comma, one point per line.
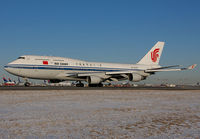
x=9, y=80
x=153, y=56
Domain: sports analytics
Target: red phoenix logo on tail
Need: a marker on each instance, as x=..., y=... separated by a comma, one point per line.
x=154, y=55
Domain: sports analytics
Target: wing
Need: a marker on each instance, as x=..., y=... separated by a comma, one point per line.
x=105, y=76
x=134, y=74
x=168, y=68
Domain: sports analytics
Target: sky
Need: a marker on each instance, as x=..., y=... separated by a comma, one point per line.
x=119, y=31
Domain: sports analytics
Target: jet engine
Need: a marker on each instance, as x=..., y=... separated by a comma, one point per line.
x=94, y=80
x=135, y=77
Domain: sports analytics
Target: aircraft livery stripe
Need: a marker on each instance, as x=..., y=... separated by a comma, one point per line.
x=66, y=68
x=55, y=66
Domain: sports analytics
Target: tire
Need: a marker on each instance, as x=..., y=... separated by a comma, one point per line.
x=27, y=84
x=80, y=85
x=96, y=85
x=100, y=85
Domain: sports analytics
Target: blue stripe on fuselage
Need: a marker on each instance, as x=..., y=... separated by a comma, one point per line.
x=54, y=67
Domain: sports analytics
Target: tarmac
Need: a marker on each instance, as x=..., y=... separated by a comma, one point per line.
x=97, y=88
x=99, y=114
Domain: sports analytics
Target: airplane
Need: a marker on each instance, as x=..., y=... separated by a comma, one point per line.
x=8, y=83
x=59, y=69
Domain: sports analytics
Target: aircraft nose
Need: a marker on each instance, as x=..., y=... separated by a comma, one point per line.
x=9, y=69
x=6, y=68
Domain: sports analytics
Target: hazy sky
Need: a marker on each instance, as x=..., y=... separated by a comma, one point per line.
x=119, y=31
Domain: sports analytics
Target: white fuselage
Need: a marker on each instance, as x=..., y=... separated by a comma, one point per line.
x=58, y=69
x=49, y=67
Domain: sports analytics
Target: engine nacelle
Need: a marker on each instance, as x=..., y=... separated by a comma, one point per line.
x=94, y=80
x=135, y=77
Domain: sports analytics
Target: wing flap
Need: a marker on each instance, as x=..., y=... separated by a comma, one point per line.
x=90, y=74
x=119, y=72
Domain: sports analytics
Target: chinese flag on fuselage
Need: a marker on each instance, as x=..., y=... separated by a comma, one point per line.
x=45, y=62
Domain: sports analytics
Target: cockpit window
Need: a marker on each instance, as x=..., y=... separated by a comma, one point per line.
x=21, y=57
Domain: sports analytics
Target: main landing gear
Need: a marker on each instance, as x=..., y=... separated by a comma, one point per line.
x=96, y=85
x=79, y=84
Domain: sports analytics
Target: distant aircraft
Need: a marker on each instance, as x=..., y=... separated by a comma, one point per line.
x=59, y=69
x=8, y=83
x=9, y=80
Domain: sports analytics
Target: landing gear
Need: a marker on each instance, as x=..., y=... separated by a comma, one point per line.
x=96, y=85
x=27, y=84
x=79, y=84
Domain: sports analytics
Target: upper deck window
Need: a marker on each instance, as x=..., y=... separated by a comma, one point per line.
x=21, y=57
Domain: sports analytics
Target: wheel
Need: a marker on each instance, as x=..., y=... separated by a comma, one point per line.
x=27, y=84
x=100, y=85
x=80, y=85
x=92, y=85
x=96, y=85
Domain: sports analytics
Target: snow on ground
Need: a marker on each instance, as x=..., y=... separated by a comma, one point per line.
x=99, y=114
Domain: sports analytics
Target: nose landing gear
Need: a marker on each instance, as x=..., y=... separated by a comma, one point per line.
x=27, y=83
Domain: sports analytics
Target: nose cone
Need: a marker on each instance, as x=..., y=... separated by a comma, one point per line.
x=10, y=69
x=6, y=68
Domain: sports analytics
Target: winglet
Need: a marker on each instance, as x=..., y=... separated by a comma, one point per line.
x=192, y=66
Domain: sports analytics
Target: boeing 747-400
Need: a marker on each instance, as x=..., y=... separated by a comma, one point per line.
x=58, y=69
